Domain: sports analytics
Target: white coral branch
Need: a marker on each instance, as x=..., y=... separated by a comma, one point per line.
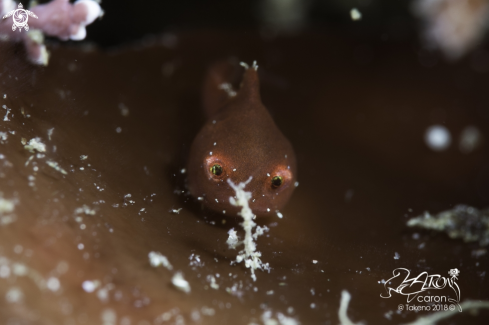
x=58, y=18
x=249, y=254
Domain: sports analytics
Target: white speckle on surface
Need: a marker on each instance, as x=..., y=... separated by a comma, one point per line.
x=176, y=211
x=35, y=144
x=14, y=295
x=53, y=284
x=50, y=133
x=90, y=286
x=397, y=256
x=437, y=138
x=118, y=129
x=156, y=259
x=109, y=317
x=6, y=119
x=280, y=215
x=314, y=262
x=4, y=271
x=233, y=239
x=183, y=171
x=355, y=14
x=212, y=280
x=470, y=139
x=210, y=153
x=313, y=305
x=296, y=184
x=124, y=109
x=207, y=311
x=268, y=174
x=86, y=210
x=83, y=157
x=3, y=136
x=180, y=283
x=270, y=292
x=18, y=249
x=280, y=319
x=56, y=167
x=81, y=246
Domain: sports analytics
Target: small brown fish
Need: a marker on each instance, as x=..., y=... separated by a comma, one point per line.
x=239, y=140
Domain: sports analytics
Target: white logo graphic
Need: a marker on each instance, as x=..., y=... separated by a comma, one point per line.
x=20, y=18
x=424, y=282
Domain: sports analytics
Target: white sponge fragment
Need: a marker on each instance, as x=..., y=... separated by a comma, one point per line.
x=156, y=259
x=180, y=283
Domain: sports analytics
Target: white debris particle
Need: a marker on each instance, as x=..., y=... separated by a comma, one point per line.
x=183, y=171
x=53, y=284
x=342, y=312
x=35, y=144
x=249, y=255
x=233, y=239
x=270, y=292
x=180, y=283
x=109, y=317
x=156, y=259
x=207, y=311
x=18, y=249
x=4, y=96
x=4, y=271
x=56, y=167
x=355, y=14
x=14, y=295
x=313, y=305
x=50, y=133
x=3, y=136
x=90, y=286
x=86, y=210
x=212, y=280
x=314, y=262
x=268, y=319
x=6, y=207
x=296, y=184
x=279, y=214
x=19, y=269
x=81, y=246
x=83, y=157
x=437, y=137
x=124, y=109
x=195, y=315
x=6, y=114
x=103, y=294
x=176, y=211
x=397, y=256
x=118, y=129
x=470, y=139
x=228, y=88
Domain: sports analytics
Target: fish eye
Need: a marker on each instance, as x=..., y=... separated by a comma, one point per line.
x=277, y=181
x=216, y=169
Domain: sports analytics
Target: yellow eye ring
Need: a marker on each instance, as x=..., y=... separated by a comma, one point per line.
x=216, y=169
x=277, y=181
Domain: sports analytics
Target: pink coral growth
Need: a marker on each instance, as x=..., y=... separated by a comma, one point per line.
x=58, y=18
